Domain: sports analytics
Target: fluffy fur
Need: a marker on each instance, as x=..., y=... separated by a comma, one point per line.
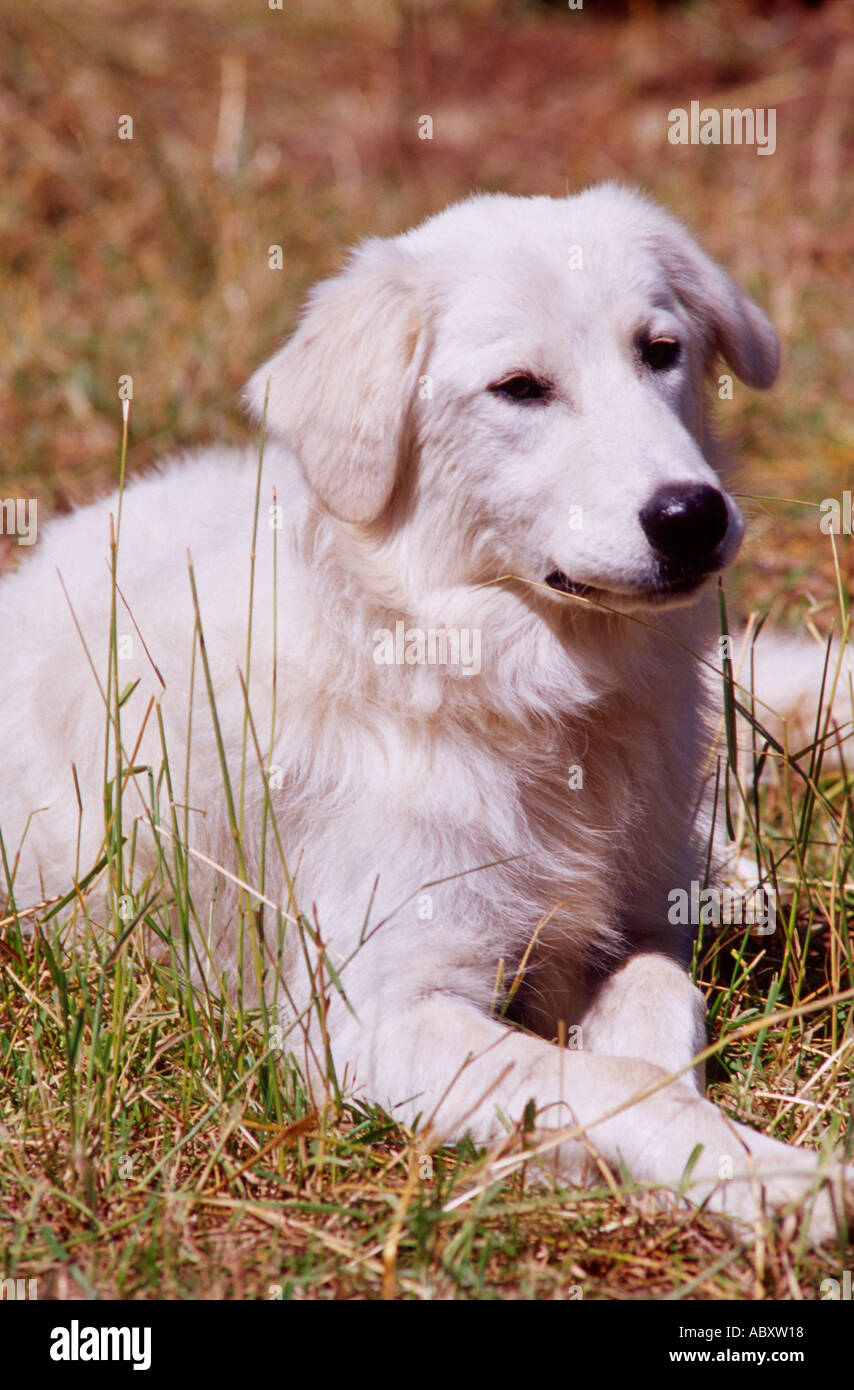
x=426, y=810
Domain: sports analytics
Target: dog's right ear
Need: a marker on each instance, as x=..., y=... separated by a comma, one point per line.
x=733, y=325
x=341, y=388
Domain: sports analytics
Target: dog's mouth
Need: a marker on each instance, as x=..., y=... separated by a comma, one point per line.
x=667, y=589
x=564, y=585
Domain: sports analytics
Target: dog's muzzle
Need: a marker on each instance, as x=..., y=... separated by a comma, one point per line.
x=685, y=523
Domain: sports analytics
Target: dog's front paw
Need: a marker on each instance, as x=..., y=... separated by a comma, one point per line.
x=759, y=1178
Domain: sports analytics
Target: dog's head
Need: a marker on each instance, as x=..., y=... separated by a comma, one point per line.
x=518, y=385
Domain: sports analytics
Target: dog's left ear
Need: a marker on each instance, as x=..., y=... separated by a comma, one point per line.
x=340, y=390
x=733, y=324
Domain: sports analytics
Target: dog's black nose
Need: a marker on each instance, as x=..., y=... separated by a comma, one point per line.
x=685, y=521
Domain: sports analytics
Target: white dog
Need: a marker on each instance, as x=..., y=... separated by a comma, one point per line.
x=474, y=706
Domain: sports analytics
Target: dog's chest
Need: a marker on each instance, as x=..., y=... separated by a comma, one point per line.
x=573, y=813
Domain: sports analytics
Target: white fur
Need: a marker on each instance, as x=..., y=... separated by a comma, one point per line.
x=412, y=492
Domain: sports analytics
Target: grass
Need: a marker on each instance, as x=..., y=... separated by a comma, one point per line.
x=157, y=1139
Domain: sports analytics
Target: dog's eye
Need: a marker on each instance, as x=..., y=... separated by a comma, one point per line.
x=520, y=387
x=660, y=353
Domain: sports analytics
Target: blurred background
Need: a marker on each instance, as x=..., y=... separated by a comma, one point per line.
x=300, y=127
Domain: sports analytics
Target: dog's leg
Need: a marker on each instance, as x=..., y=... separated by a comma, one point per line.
x=649, y=1009
x=461, y=1071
